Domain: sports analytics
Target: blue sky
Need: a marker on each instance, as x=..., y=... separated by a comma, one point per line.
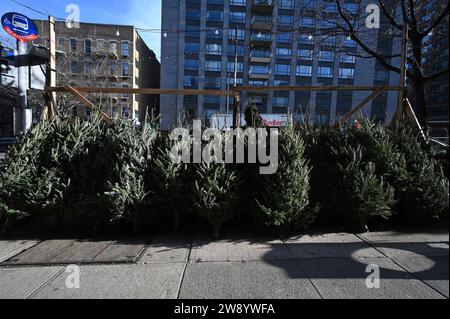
x=140, y=13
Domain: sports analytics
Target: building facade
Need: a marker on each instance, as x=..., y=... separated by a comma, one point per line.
x=103, y=55
x=435, y=59
x=277, y=45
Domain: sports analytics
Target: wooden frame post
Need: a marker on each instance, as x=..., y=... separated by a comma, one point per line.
x=410, y=111
x=363, y=103
x=88, y=103
x=50, y=108
x=403, y=63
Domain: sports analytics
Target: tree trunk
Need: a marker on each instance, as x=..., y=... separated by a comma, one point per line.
x=421, y=108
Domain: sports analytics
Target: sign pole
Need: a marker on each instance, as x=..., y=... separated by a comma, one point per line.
x=22, y=86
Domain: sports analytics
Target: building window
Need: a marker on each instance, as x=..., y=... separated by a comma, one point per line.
x=87, y=46
x=330, y=40
x=125, y=49
x=241, y=3
x=239, y=66
x=113, y=47
x=285, y=37
x=305, y=39
x=100, y=46
x=307, y=22
x=240, y=50
x=73, y=45
x=281, y=101
x=73, y=67
x=259, y=69
x=192, y=14
x=213, y=82
x=282, y=69
x=125, y=96
x=346, y=73
x=325, y=72
x=286, y=4
x=213, y=66
x=305, y=54
x=113, y=68
x=125, y=69
x=191, y=64
x=240, y=34
x=284, y=53
x=192, y=48
x=213, y=15
x=190, y=81
x=326, y=56
x=347, y=58
x=304, y=70
x=285, y=20
x=214, y=49
x=237, y=17
x=349, y=43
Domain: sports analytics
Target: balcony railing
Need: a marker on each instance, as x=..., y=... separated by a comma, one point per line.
x=263, y=6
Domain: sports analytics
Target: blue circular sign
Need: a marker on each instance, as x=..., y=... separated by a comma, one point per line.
x=19, y=26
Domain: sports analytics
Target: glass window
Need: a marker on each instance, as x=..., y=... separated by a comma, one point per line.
x=113, y=47
x=190, y=64
x=213, y=65
x=305, y=39
x=326, y=56
x=73, y=45
x=284, y=37
x=308, y=4
x=125, y=69
x=259, y=69
x=214, y=15
x=100, y=45
x=113, y=68
x=193, y=31
x=347, y=58
x=125, y=49
x=282, y=69
x=213, y=82
x=286, y=4
x=213, y=49
x=73, y=67
x=190, y=81
x=307, y=22
x=286, y=19
x=193, y=14
x=346, y=73
x=239, y=66
x=348, y=42
x=238, y=2
x=214, y=33
x=237, y=17
x=192, y=48
x=87, y=46
x=325, y=72
x=280, y=100
x=305, y=54
x=240, y=34
x=125, y=96
x=304, y=70
x=283, y=52
x=240, y=50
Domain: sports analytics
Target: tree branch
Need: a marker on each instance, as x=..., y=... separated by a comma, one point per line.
x=389, y=16
x=433, y=76
x=438, y=20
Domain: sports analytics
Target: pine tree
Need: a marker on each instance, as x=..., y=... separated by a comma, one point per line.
x=283, y=197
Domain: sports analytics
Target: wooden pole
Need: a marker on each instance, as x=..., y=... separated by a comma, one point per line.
x=403, y=62
x=236, y=115
x=412, y=114
x=88, y=103
x=50, y=107
x=363, y=103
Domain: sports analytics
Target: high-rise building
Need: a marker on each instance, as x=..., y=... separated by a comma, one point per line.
x=104, y=55
x=435, y=59
x=277, y=45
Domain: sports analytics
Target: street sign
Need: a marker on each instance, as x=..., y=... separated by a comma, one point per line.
x=19, y=26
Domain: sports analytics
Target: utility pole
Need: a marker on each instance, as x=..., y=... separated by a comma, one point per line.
x=236, y=113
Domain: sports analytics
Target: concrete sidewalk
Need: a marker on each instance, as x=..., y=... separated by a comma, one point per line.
x=411, y=265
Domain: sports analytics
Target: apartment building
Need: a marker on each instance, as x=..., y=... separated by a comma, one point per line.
x=277, y=45
x=435, y=59
x=104, y=55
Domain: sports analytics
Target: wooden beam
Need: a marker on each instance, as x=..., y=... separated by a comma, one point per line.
x=412, y=114
x=317, y=88
x=88, y=103
x=149, y=91
x=363, y=103
x=403, y=62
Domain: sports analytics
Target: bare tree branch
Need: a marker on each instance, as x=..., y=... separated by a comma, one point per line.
x=438, y=20
x=389, y=16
